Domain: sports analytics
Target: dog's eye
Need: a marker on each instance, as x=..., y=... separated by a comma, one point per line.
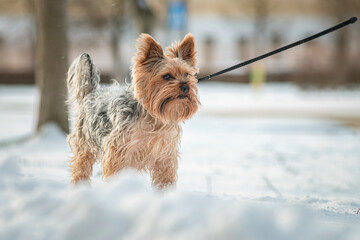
x=186, y=74
x=167, y=77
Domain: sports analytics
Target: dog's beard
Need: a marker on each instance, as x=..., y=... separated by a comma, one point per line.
x=178, y=109
x=169, y=105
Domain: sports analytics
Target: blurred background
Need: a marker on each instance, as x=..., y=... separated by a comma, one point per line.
x=227, y=32
x=285, y=129
x=39, y=39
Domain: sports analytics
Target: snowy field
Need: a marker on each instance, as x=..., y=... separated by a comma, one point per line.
x=265, y=165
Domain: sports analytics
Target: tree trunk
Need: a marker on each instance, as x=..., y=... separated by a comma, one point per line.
x=144, y=16
x=342, y=70
x=118, y=70
x=341, y=66
x=51, y=56
x=116, y=27
x=261, y=15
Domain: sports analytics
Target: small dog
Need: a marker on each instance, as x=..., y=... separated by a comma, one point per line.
x=137, y=126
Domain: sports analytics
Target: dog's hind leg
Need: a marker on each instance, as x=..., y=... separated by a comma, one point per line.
x=81, y=164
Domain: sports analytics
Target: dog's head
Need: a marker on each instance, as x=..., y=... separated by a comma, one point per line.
x=165, y=83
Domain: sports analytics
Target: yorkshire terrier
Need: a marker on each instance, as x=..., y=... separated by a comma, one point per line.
x=136, y=126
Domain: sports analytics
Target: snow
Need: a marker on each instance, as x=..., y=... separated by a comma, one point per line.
x=244, y=173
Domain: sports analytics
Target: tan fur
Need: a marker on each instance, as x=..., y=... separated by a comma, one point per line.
x=83, y=160
x=147, y=146
x=140, y=128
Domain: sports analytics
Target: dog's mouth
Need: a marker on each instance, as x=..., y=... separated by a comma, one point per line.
x=182, y=96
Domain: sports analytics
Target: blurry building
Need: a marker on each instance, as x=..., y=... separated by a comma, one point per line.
x=226, y=33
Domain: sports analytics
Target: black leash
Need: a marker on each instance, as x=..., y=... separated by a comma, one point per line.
x=351, y=20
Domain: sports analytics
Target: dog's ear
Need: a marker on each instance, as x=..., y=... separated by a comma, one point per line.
x=149, y=52
x=185, y=50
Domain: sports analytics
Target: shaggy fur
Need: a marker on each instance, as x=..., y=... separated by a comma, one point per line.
x=137, y=126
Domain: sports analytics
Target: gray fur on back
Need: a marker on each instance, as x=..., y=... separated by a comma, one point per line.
x=99, y=108
x=105, y=108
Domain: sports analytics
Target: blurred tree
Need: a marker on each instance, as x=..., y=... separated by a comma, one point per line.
x=345, y=70
x=51, y=66
x=261, y=12
x=106, y=14
x=144, y=16
x=208, y=52
x=112, y=14
x=243, y=48
x=117, y=28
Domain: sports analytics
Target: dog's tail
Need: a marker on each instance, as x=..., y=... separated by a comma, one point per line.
x=82, y=78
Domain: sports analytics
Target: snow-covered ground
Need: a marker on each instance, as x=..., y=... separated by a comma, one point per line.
x=263, y=165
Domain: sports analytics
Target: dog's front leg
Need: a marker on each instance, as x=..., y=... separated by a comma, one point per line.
x=163, y=172
x=112, y=162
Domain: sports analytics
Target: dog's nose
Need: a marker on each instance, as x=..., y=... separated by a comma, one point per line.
x=185, y=88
